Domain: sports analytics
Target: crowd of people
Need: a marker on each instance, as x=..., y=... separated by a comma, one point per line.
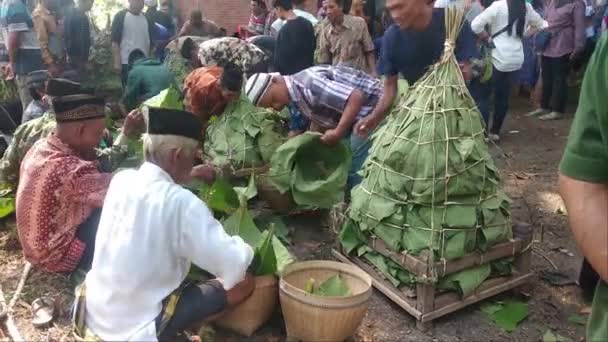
x=338, y=72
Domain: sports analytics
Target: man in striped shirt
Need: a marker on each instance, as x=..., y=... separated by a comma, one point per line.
x=331, y=98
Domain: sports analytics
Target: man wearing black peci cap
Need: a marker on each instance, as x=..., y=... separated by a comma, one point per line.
x=61, y=187
x=151, y=231
x=30, y=132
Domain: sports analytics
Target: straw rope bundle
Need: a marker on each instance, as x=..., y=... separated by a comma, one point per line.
x=430, y=182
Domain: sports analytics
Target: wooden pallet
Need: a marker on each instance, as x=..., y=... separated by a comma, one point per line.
x=426, y=303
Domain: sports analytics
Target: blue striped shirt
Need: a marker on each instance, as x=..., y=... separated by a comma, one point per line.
x=321, y=92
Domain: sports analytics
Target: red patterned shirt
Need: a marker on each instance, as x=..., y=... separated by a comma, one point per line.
x=57, y=192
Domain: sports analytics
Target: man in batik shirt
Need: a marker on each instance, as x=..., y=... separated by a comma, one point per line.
x=30, y=132
x=225, y=51
x=345, y=40
x=61, y=188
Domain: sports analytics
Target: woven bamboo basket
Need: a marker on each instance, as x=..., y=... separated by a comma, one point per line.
x=250, y=315
x=314, y=318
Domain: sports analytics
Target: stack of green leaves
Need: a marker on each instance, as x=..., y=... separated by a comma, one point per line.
x=103, y=77
x=429, y=181
x=230, y=205
x=313, y=172
x=244, y=136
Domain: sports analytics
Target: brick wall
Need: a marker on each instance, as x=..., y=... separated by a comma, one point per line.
x=226, y=13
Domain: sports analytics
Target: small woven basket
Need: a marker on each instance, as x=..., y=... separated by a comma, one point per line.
x=314, y=318
x=250, y=315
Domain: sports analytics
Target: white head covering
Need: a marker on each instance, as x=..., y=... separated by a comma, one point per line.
x=256, y=87
x=150, y=3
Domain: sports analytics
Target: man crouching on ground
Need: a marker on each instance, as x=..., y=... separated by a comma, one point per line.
x=151, y=230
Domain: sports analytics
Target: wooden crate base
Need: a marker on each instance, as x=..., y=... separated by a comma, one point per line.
x=428, y=304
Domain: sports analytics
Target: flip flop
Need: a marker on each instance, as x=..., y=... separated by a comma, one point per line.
x=43, y=312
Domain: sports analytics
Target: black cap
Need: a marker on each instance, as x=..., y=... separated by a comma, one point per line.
x=78, y=107
x=163, y=121
x=63, y=87
x=37, y=77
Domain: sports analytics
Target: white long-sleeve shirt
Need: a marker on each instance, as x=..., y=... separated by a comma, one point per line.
x=151, y=229
x=509, y=52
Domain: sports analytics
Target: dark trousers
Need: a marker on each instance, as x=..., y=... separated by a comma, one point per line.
x=86, y=233
x=555, y=82
x=196, y=304
x=502, y=93
x=481, y=94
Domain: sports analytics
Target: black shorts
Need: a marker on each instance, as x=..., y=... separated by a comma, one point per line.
x=197, y=302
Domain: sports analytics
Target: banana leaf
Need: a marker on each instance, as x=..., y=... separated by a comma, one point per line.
x=313, y=172
x=335, y=286
x=7, y=206
x=240, y=223
x=169, y=98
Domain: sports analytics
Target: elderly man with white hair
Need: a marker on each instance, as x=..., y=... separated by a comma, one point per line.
x=151, y=231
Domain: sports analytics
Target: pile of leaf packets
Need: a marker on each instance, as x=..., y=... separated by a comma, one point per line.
x=244, y=136
x=430, y=182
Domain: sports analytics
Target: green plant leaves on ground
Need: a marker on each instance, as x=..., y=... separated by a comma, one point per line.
x=7, y=206
x=247, y=192
x=333, y=287
x=507, y=314
x=281, y=230
x=271, y=255
x=549, y=336
x=220, y=196
x=577, y=319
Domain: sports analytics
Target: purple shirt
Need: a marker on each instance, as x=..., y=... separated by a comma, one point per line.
x=567, y=24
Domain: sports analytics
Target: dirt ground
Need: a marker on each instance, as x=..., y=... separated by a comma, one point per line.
x=528, y=156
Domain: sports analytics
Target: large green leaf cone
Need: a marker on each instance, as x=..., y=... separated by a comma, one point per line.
x=429, y=182
x=244, y=136
x=313, y=172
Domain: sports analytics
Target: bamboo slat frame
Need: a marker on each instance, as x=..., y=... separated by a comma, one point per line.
x=429, y=304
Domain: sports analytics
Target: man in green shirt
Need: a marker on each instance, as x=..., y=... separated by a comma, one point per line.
x=583, y=182
x=147, y=78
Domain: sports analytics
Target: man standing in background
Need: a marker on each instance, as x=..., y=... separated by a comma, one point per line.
x=50, y=36
x=200, y=27
x=23, y=47
x=131, y=30
x=77, y=33
x=295, y=46
x=298, y=10
x=583, y=182
x=344, y=39
x=164, y=29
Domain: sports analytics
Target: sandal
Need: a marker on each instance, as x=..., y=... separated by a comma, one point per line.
x=43, y=312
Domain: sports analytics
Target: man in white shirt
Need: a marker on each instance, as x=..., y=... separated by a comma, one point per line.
x=299, y=11
x=150, y=232
x=131, y=30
